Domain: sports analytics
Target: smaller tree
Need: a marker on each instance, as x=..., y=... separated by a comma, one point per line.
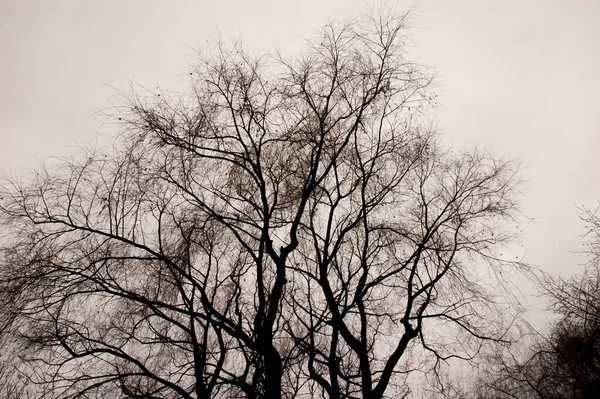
x=565, y=363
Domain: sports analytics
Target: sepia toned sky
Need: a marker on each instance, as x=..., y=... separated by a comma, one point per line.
x=518, y=78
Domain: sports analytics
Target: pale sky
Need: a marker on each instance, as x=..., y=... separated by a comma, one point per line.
x=519, y=78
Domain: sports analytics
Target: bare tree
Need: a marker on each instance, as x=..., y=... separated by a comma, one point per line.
x=564, y=363
x=287, y=228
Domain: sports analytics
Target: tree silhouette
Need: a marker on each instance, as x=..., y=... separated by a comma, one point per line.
x=564, y=363
x=286, y=228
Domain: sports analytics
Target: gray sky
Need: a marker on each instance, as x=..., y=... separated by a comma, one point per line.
x=519, y=78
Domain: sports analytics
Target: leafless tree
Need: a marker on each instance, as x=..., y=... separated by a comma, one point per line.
x=564, y=363
x=287, y=228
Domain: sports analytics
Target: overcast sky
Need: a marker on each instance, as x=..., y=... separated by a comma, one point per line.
x=519, y=78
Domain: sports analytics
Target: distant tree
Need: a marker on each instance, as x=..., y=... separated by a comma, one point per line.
x=566, y=362
x=287, y=228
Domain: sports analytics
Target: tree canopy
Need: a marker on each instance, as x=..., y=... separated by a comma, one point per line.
x=287, y=228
